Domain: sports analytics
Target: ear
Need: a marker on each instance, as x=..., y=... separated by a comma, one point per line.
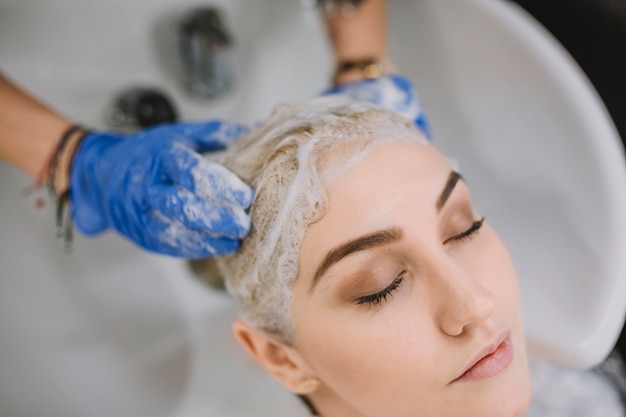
x=279, y=359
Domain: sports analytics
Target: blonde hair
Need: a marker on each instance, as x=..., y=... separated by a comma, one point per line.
x=286, y=161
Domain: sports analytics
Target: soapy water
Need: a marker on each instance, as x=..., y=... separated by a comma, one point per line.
x=213, y=182
x=207, y=210
x=189, y=243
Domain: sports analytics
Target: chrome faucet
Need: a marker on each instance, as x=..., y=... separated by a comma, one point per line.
x=204, y=41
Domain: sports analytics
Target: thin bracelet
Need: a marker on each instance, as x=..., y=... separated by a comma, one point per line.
x=58, y=154
x=64, y=227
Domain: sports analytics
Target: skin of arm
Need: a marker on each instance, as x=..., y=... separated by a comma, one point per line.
x=360, y=34
x=29, y=132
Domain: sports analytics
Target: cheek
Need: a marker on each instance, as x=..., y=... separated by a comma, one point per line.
x=346, y=347
x=494, y=268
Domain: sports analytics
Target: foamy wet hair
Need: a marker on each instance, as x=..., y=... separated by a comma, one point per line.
x=287, y=161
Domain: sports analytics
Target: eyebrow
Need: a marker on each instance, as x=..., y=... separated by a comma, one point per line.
x=369, y=241
x=453, y=179
x=379, y=238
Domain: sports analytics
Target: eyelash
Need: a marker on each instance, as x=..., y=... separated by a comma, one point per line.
x=379, y=297
x=469, y=233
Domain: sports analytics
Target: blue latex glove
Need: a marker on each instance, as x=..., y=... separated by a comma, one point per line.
x=394, y=92
x=154, y=188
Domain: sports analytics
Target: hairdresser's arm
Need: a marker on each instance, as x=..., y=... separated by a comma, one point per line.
x=357, y=34
x=153, y=187
x=28, y=129
x=362, y=35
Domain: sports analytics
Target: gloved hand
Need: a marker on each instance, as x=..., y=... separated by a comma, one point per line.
x=394, y=92
x=154, y=188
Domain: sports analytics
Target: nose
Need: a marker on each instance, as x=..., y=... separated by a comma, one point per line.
x=461, y=300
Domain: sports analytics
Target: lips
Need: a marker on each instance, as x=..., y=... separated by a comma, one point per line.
x=491, y=361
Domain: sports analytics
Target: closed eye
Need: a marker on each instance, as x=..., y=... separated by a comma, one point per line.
x=467, y=234
x=379, y=297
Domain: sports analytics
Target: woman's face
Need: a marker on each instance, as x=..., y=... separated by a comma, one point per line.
x=402, y=288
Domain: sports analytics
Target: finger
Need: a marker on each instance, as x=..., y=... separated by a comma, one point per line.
x=172, y=238
x=176, y=203
x=207, y=180
x=202, y=136
x=224, y=135
x=210, y=136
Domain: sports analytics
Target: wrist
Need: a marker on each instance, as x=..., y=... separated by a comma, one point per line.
x=55, y=175
x=56, y=171
x=362, y=69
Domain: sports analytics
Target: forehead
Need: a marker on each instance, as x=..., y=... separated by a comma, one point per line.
x=388, y=171
x=344, y=154
x=385, y=186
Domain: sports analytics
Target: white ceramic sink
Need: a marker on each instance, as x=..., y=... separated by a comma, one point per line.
x=110, y=330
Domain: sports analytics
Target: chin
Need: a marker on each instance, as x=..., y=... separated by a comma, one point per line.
x=515, y=399
x=518, y=408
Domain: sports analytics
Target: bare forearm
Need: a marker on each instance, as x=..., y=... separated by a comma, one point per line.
x=29, y=130
x=360, y=34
